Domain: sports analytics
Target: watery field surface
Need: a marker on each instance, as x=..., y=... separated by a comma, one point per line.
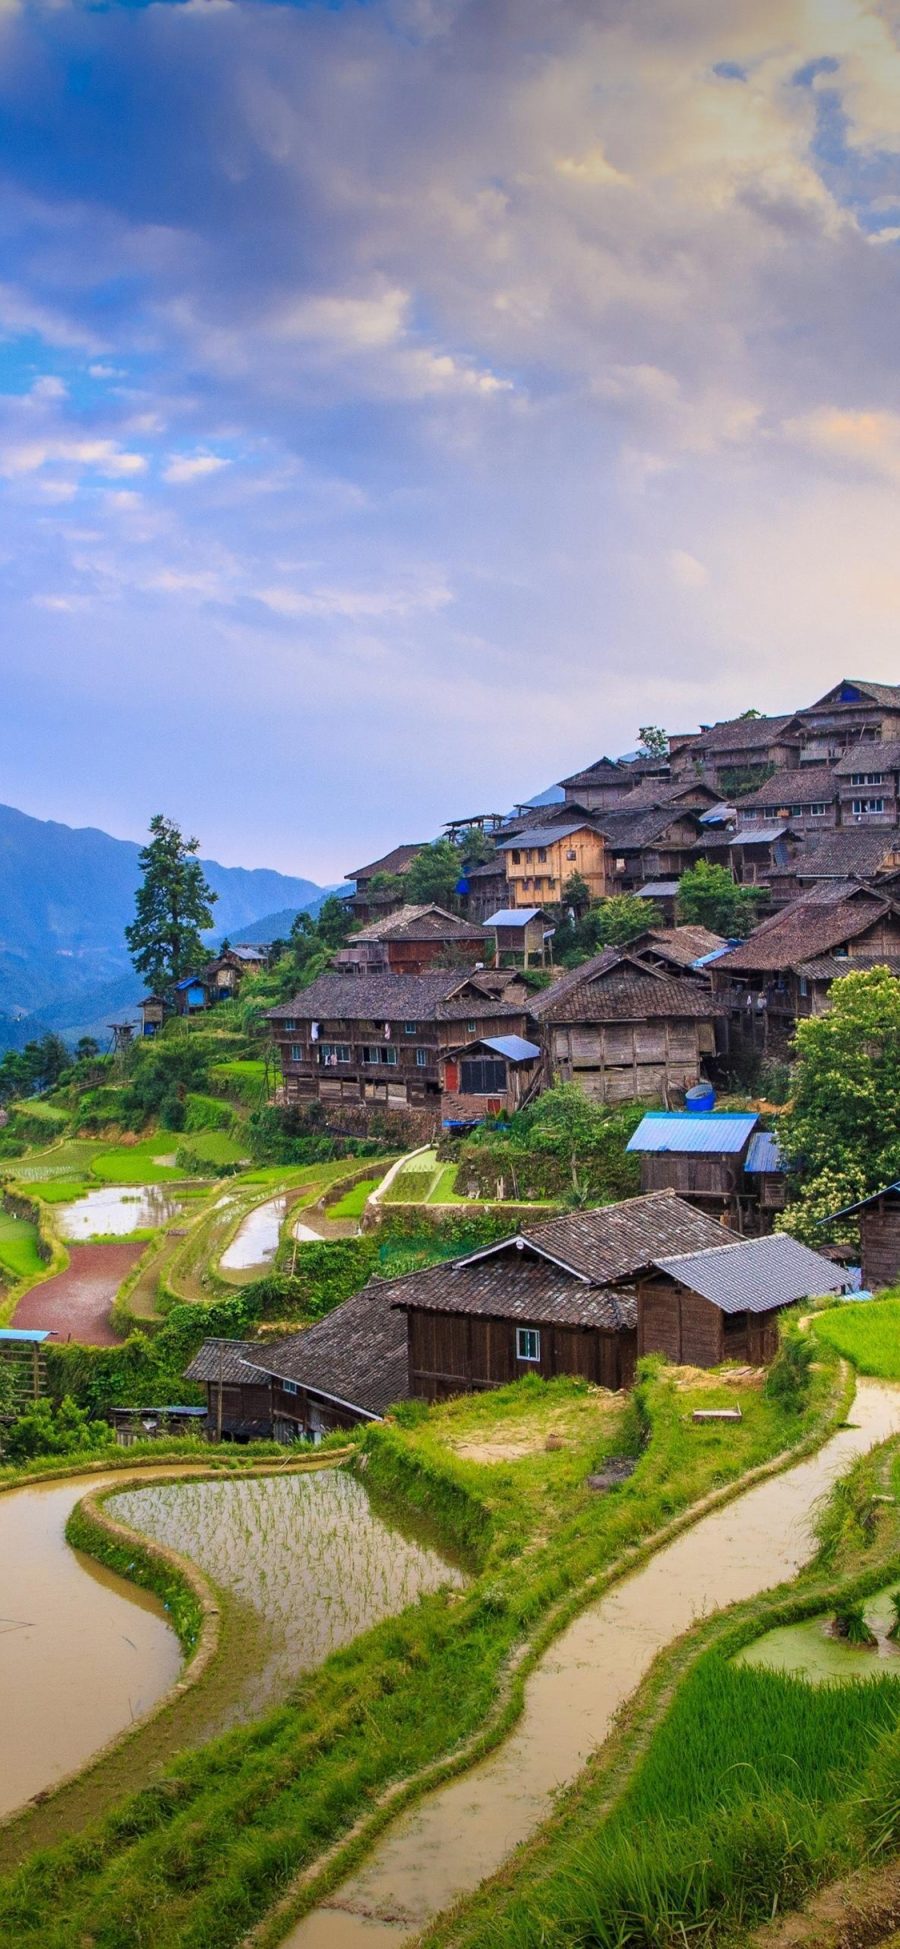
x=308, y=1555
x=811, y=1650
x=867, y=1334
x=111, y=1212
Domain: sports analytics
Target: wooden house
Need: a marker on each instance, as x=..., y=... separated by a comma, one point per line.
x=486, y=889
x=392, y=1041
x=222, y=976
x=378, y=885
x=519, y=934
x=625, y=1031
x=852, y=713
x=755, y=852
x=737, y=748
x=700, y=1155
x=557, y=1298
x=805, y=797
x=191, y=995
x=343, y=1370
x=651, y=845
x=602, y=785
x=879, y=1236
x=412, y=940
x=784, y=970
x=868, y=784
x=541, y=858
x=152, y=1012
x=723, y=1302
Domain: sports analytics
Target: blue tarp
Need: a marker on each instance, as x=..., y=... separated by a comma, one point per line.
x=30, y=1333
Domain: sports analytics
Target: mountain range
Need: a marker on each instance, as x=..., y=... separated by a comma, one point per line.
x=66, y=895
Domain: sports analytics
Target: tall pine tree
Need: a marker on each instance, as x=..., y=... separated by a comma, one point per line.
x=173, y=906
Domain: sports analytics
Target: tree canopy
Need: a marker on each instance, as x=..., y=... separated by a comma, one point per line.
x=842, y=1132
x=654, y=741
x=173, y=906
x=709, y=897
x=433, y=874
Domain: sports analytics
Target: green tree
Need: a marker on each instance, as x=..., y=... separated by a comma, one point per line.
x=654, y=741
x=173, y=906
x=334, y=922
x=709, y=897
x=621, y=919
x=476, y=848
x=433, y=874
x=87, y=1048
x=842, y=1132
x=576, y=894
x=45, y=1430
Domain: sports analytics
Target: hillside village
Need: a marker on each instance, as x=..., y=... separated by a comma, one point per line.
x=528, y=1197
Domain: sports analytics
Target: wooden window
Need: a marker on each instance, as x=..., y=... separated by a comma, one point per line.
x=542, y=852
x=290, y=1387
x=472, y=1028
x=296, y=1052
x=528, y=1343
x=517, y=859
x=329, y=1053
x=409, y=1028
x=421, y=1058
x=482, y=1076
x=379, y=1052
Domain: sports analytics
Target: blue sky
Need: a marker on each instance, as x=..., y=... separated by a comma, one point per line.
x=400, y=403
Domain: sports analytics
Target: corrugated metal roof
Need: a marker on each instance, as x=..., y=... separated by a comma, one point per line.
x=513, y=1047
x=756, y=1274
x=764, y=1153
x=32, y=1334
x=658, y=889
x=712, y=1132
x=758, y=835
x=513, y=916
x=861, y=1203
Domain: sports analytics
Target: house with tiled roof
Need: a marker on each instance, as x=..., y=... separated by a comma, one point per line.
x=424, y=1045
x=784, y=970
x=557, y=1298
x=854, y=713
x=376, y=886
x=412, y=940
x=627, y=1029
x=723, y=1302
x=739, y=747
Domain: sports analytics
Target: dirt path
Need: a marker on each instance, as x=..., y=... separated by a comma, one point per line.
x=444, y=1846
x=75, y=1304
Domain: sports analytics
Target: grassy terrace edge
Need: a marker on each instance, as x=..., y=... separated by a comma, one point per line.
x=436, y=1493
x=525, y=1881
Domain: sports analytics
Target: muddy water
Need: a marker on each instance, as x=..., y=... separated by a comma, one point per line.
x=446, y=1845
x=307, y=1554
x=115, y=1212
x=255, y=1242
x=82, y=1652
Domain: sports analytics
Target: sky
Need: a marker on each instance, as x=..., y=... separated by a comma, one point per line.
x=402, y=402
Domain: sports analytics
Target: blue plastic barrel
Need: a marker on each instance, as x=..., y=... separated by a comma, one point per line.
x=701, y=1097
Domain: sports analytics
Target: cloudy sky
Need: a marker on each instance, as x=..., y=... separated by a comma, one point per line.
x=402, y=402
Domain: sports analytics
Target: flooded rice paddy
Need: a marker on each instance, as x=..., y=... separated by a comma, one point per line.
x=114, y=1211
x=811, y=1650
x=307, y=1554
x=82, y=1653
x=443, y=1847
x=255, y=1242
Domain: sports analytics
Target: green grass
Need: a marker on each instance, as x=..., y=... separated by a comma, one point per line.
x=868, y=1334
x=198, y=1855
x=244, y=1082
x=19, y=1257
x=443, y=1191
x=213, y=1146
x=136, y=1163
x=353, y=1202
x=60, y=1191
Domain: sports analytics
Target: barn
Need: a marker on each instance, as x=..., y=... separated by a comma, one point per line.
x=879, y=1236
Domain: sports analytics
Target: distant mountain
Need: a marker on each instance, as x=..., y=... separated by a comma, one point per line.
x=276, y=927
x=66, y=895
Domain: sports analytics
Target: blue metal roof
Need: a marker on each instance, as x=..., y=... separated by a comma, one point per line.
x=32, y=1334
x=513, y=916
x=711, y=1131
x=764, y=1153
x=513, y=1047
x=190, y=981
x=664, y=889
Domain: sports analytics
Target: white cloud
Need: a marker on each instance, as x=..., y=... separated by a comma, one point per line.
x=185, y=467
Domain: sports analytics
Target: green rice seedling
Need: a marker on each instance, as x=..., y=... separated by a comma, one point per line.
x=867, y=1333
x=850, y=1624
x=894, y=1631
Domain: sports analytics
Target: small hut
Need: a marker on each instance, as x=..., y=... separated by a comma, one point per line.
x=879, y=1235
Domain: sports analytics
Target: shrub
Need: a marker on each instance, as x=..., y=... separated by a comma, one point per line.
x=45, y=1430
x=788, y=1378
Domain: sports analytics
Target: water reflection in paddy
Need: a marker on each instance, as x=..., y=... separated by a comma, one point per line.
x=307, y=1553
x=810, y=1649
x=116, y=1211
x=256, y=1240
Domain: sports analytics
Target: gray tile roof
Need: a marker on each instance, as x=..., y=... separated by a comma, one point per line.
x=397, y=861
x=800, y=785
x=755, y=1274
x=625, y=991
x=356, y=1355
x=817, y=922
x=226, y=1359
x=870, y=757
x=849, y=849
x=370, y=998
x=516, y=1287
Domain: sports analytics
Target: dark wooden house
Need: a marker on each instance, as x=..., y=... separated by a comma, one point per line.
x=378, y=885
x=722, y=1303
x=345, y=1369
x=784, y=970
x=400, y=1042
x=854, y=713
x=624, y=1030
x=737, y=748
x=152, y=1012
x=522, y=935
x=702, y=1156
x=412, y=940
x=558, y=1298
x=656, y=844
x=879, y=1236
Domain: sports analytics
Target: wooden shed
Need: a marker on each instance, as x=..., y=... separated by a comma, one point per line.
x=519, y=934
x=879, y=1236
x=557, y=1299
x=702, y=1157
x=626, y=1032
x=700, y=1308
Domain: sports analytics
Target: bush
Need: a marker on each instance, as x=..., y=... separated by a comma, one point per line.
x=45, y=1430
x=788, y=1378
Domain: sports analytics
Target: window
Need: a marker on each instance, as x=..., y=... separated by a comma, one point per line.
x=860, y=806
x=328, y=1053
x=290, y=1387
x=867, y=778
x=817, y=811
x=421, y=1058
x=482, y=1076
x=380, y=1053
x=571, y=854
x=472, y=1028
x=409, y=1028
x=289, y=1025
x=542, y=852
x=517, y=859
x=528, y=1343
x=296, y=1053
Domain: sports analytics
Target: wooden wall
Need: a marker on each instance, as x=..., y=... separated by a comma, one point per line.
x=879, y=1228
x=459, y=1353
x=617, y=1062
x=691, y=1332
